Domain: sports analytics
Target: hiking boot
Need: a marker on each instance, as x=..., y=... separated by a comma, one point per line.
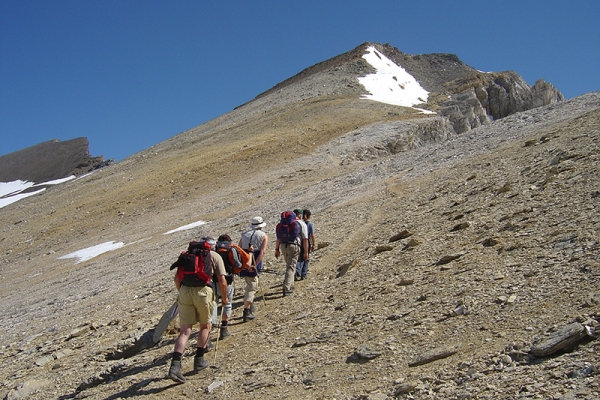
x=224, y=333
x=175, y=372
x=297, y=277
x=288, y=292
x=199, y=364
x=210, y=346
x=251, y=308
x=248, y=315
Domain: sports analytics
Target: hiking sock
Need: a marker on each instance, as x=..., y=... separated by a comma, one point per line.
x=177, y=356
x=200, y=351
x=224, y=324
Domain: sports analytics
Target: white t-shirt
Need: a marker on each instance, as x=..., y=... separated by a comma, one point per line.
x=303, y=232
x=254, y=237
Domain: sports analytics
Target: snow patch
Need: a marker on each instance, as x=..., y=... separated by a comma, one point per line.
x=186, y=227
x=91, y=252
x=391, y=84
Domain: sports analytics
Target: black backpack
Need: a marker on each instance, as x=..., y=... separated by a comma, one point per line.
x=191, y=265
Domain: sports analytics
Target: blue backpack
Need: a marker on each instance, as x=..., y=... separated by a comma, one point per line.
x=288, y=229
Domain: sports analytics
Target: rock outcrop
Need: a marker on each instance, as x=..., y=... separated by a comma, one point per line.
x=50, y=160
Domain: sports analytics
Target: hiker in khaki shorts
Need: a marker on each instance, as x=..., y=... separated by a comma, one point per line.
x=254, y=241
x=196, y=303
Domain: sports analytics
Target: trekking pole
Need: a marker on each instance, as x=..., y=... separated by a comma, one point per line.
x=217, y=342
x=262, y=292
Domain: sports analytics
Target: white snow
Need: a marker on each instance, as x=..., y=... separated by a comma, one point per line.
x=13, y=187
x=186, y=227
x=4, y=201
x=391, y=84
x=91, y=252
x=11, y=192
x=56, y=181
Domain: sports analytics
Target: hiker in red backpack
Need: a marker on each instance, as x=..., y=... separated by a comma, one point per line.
x=198, y=269
x=254, y=241
x=291, y=235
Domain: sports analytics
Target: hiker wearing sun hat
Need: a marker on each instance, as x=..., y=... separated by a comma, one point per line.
x=254, y=241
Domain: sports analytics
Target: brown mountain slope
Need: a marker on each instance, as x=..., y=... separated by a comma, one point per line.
x=513, y=203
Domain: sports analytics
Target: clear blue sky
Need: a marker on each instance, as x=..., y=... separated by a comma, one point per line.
x=128, y=74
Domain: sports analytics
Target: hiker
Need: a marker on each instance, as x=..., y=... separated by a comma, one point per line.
x=302, y=265
x=223, y=248
x=291, y=235
x=224, y=241
x=196, y=298
x=255, y=242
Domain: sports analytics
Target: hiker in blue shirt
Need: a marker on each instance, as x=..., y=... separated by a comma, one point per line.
x=302, y=265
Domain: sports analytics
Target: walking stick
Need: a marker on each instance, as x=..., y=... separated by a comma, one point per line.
x=217, y=342
x=262, y=292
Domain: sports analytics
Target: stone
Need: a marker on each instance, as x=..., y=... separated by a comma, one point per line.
x=449, y=258
x=433, y=355
x=562, y=340
x=401, y=235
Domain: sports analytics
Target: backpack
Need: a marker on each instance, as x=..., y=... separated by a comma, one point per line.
x=191, y=268
x=288, y=229
x=233, y=264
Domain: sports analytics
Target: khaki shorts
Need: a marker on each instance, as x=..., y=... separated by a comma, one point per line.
x=195, y=305
x=251, y=288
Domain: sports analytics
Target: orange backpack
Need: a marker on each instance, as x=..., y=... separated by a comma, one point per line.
x=233, y=264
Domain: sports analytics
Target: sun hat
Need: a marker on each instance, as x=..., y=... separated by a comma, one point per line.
x=257, y=223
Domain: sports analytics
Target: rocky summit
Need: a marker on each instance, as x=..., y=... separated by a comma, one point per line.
x=457, y=247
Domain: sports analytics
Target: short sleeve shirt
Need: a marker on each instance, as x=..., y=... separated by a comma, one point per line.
x=311, y=228
x=252, y=237
x=303, y=232
x=218, y=264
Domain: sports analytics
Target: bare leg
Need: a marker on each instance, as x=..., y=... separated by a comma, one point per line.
x=184, y=334
x=204, y=334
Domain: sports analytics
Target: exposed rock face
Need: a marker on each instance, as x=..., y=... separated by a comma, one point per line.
x=493, y=96
x=50, y=160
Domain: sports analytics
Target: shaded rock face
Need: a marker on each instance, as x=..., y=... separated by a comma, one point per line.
x=493, y=96
x=49, y=161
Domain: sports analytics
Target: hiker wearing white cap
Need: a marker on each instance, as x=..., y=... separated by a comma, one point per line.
x=254, y=241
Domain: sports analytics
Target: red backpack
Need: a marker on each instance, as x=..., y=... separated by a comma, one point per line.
x=191, y=265
x=288, y=229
